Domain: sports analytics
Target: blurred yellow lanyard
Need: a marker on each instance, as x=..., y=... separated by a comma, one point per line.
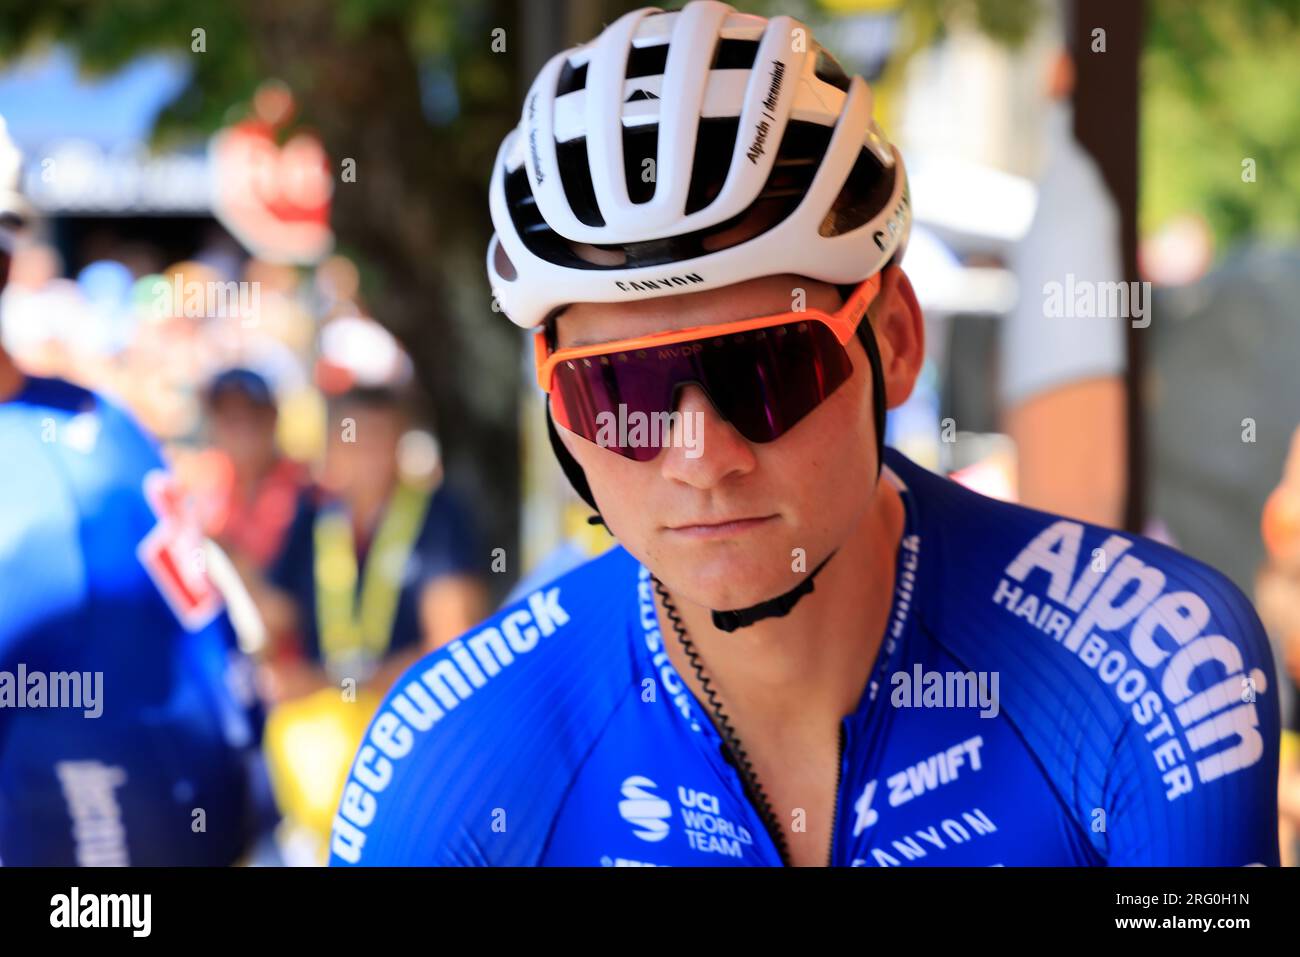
x=358, y=628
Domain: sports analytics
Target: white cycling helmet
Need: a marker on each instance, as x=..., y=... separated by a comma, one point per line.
x=639, y=154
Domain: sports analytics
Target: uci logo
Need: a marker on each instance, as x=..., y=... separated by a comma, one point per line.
x=645, y=810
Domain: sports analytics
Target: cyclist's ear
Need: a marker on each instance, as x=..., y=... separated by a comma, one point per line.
x=900, y=334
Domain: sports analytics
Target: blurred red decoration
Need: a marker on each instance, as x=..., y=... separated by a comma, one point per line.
x=274, y=199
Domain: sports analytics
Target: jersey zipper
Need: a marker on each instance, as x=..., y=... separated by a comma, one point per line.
x=835, y=806
x=769, y=824
x=733, y=751
x=761, y=808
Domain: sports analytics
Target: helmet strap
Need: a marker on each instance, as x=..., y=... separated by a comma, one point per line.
x=777, y=607
x=572, y=470
x=868, y=337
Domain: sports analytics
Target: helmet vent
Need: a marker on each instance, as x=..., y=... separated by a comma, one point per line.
x=827, y=69
x=575, y=174
x=796, y=163
x=501, y=262
x=572, y=79
x=735, y=55
x=640, y=152
x=714, y=143
x=647, y=61
x=865, y=193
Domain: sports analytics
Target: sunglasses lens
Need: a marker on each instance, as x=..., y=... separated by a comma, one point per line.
x=596, y=395
x=762, y=381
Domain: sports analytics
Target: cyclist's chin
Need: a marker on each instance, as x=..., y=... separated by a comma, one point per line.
x=727, y=572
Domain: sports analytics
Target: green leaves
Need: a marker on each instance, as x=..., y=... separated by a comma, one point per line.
x=1219, y=88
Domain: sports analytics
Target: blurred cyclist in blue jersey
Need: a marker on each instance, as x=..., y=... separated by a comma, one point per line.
x=806, y=649
x=129, y=729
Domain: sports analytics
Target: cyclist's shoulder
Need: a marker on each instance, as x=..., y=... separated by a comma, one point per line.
x=998, y=561
x=59, y=399
x=1133, y=672
x=468, y=758
x=54, y=394
x=76, y=458
x=91, y=436
x=584, y=602
x=41, y=566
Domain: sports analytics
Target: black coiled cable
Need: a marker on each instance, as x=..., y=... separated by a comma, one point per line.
x=740, y=758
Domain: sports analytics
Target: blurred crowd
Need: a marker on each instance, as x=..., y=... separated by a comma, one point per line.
x=291, y=419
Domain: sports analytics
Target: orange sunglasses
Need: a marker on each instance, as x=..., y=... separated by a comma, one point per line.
x=761, y=374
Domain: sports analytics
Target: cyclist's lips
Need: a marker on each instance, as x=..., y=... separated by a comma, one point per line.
x=727, y=528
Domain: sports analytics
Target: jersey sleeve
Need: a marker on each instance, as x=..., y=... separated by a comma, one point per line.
x=1197, y=784
x=1139, y=678
x=415, y=794
x=97, y=578
x=469, y=758
x=406, y=806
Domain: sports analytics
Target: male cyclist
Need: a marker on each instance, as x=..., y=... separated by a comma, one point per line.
x=969, y=681
x=128, y=729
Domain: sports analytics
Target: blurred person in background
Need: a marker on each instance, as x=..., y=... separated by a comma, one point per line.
x=129, y=728
x=370, y=619
x=36, y=301
x=382, y=494
x=1062, y=379
x=380, y=565
x=253, y=489
x=167, y=359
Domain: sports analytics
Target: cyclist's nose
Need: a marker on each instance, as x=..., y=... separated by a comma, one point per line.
x=704, y=448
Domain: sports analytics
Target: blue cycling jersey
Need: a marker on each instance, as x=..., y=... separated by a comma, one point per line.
x=1047, y=692
x=128, y=732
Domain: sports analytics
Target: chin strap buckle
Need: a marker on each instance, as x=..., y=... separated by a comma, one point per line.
x=777, y=607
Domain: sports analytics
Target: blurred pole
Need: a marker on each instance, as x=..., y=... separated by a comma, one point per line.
x=1106, y=103
x=549, y=26
x=544, y=33
x=552, y=25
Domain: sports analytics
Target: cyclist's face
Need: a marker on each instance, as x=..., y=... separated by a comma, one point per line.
x=805, y=490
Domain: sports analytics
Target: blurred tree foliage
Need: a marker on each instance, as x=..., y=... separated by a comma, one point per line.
x=416, y=94
x=1007, y=21
x=1220, y=85
x=1220, y=82
x=925, y=22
